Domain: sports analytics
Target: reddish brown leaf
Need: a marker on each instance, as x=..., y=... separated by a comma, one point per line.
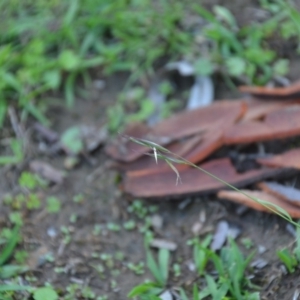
x=257, y=109
x=286, y=193
x=195, y=121
x=289, y=159
x=282, y=123
x=292, y=90
x=193, y=149
x=212, y=119
x=163, y=184
x=294, y=211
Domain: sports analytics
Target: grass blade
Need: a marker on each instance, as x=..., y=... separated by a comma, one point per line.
x=10, y=246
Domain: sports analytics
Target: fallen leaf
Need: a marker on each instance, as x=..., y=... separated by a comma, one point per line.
x=258, y=109
x=279, y=124
x=163, y=184
x=294, y=211
x=219, y=115
x=286, y=193
x=194, y=149
x=289, y=91
x=47, y=171
x=195, y=121
x=288, y=159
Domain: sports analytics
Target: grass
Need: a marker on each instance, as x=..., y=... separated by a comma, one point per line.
x=48, y=48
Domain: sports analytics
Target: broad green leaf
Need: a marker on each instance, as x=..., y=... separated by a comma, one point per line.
x=236, y=66
x=143, y=288
x=154, y=268
x=71, y=140
x=281, y=67
x=69, y=61
x=52, y=79
x=45, y=293
x=163, y=261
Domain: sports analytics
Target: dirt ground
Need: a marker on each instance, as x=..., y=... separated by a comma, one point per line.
x=103, y=203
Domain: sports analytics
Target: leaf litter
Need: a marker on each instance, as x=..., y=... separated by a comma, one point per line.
x=207, y=131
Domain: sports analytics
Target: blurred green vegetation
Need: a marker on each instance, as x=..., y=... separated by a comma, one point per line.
x=47, y=45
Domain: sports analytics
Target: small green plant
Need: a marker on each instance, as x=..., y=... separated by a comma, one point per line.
x=9, y=240
x=160, y=271
x=231, y=267
x=291, y=259
x=200, y=254
x=138, y=268
x=16, y=149
x=45, y=293
x=288, y=258
x=53, y=204
x=113, y=227
x=247, y=243
x=129, y=225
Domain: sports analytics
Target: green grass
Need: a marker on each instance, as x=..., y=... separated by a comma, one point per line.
x=47, y=46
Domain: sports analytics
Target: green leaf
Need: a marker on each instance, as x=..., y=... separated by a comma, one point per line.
x=146, y=109
x=69, y=89
x=203, y=67
x=69, y=61
x=183, y=294
x=3, y=110
x=281, y=67
x=45, y=293
x=163, y=261
x=288, y=259
x=259, y=56
x=9, y=271
x=53, y=204
x=71, y=140
x=154, y=269
x=52, y=79
x=223, y=13
x=236, y=66
x=195, y=292
x=7, y=288
x=142, y=289
x=7, y=252
x=34, y=111
x=71, y=13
